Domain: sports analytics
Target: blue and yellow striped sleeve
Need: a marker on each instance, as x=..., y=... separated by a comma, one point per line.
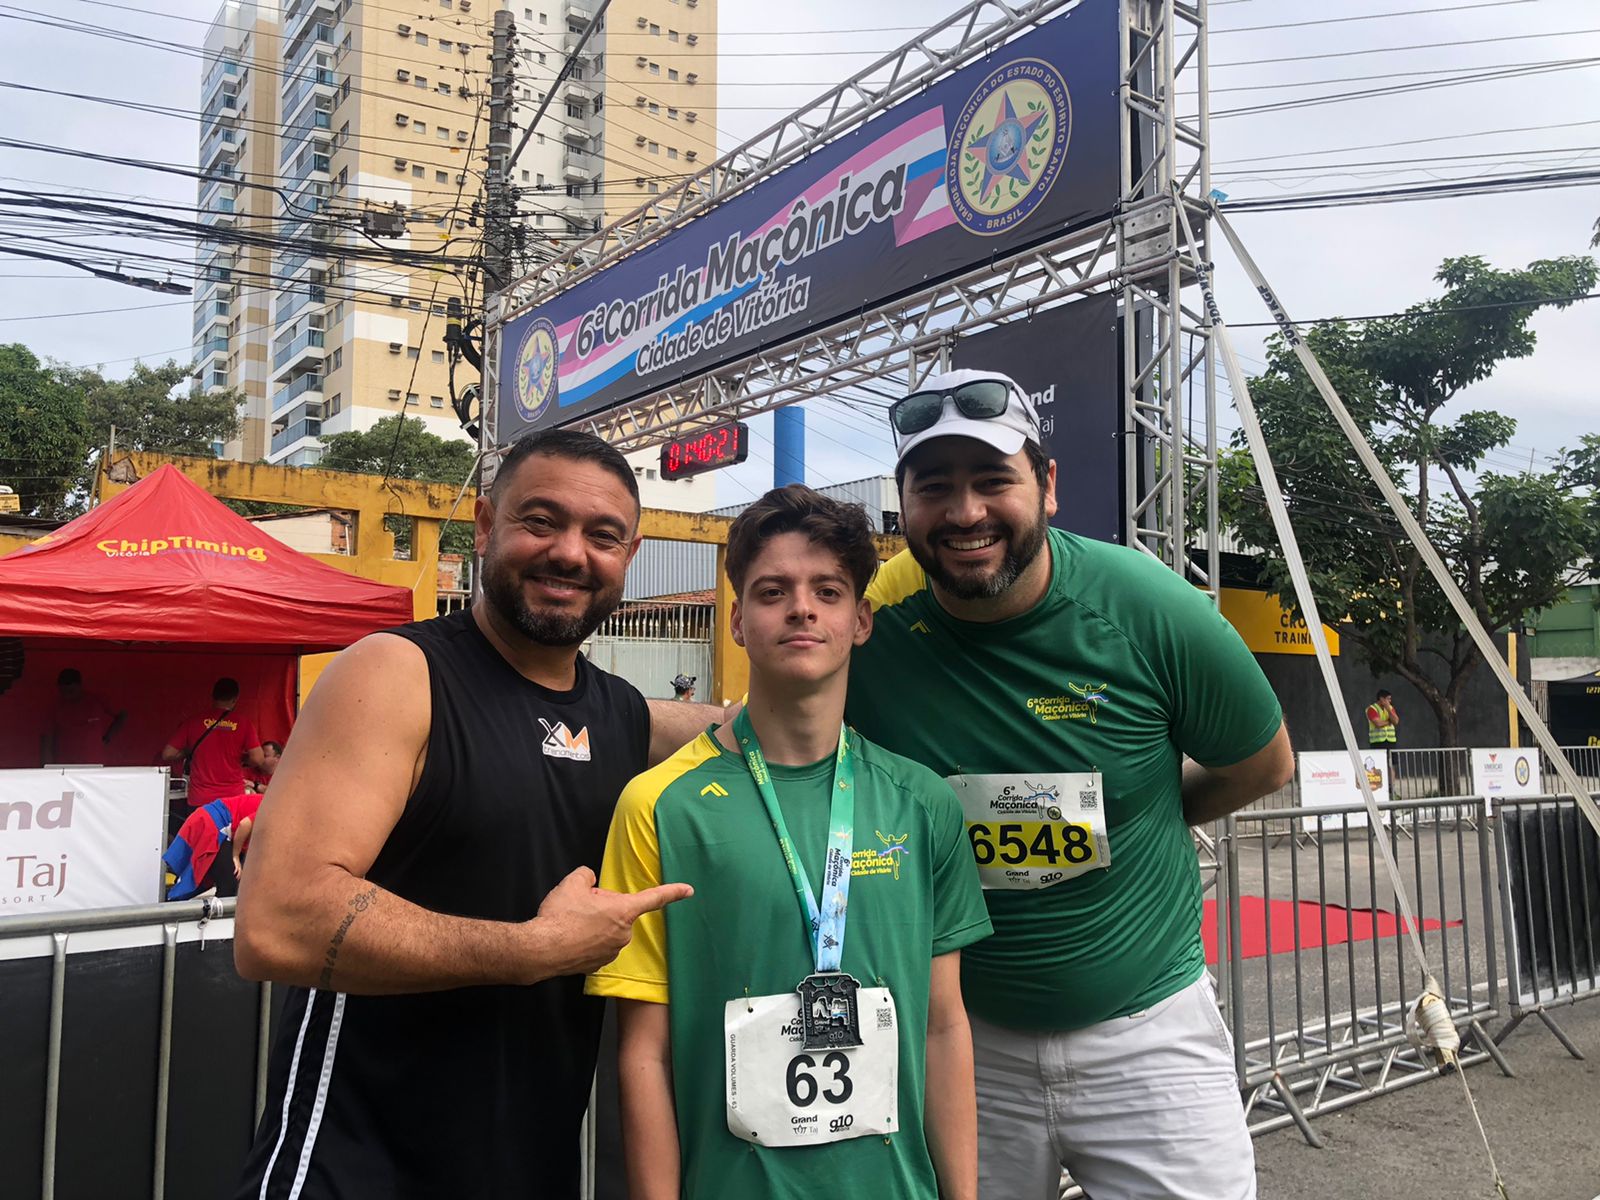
x=633, y=863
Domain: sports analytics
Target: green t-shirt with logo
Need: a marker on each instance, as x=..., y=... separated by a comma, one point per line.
x=1122, y=668
x=698, y=819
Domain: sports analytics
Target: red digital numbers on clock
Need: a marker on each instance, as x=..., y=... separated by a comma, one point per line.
x=720, y=446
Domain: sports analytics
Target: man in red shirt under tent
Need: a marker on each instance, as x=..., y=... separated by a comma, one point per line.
x=82, y=724
x=215, y=748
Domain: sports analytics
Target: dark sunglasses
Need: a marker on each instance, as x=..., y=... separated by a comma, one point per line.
x=981, y=400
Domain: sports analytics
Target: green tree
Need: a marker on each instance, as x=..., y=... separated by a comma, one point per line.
x=402, y=448
x=1513, y=542
x=150, y=412
x=43, y=438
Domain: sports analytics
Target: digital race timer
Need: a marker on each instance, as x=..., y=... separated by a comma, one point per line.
x=720, y=446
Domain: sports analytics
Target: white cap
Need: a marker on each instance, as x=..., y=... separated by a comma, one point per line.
x=1006, y=433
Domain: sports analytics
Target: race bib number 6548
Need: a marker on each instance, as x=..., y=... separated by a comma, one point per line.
x=1032, y=831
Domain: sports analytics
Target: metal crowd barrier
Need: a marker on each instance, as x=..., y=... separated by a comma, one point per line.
x=1550, y=898
x=1317, y=1013
x=90, y=1108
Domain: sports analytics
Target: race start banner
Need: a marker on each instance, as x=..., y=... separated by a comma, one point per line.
x=88, y=837
x=1008, y=152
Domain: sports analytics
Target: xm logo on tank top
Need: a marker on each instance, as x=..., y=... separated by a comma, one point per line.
x=561, y=742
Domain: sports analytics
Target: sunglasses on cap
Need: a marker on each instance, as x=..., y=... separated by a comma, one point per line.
x=980, y=400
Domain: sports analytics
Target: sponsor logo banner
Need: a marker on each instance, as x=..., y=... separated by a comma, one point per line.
x=87, y=837
x=1327, y=778
x=1010, y=151
x=1505, y=772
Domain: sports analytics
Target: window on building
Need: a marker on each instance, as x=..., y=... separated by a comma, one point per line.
x=444, y=89
x=336, y=359
x=524, y=177
x=419, y=172
x=416, y=306
x=655, y=30
x=655, y=68
x=541, y=59
x=540, y=180
x=447, y=3
x=336, y=313
x=420, y=128
x=654, y=147
x=413, y=352
x=542, y=20
x=344, y=89
x=575, y=110
x=437, y=310
x=672, y=73
x=344, y=178
x=444, y=134
x=672, y=114
x=335, y=404
x=422, y=39
x=672, y=152
x=653, y=107
x=654, y=187
x=411, y=398
x=420, y=80
x=445, y=45
x=541, y=139
x=438, y=356
x=672, y=35
x=436, y=401
x=444, y=176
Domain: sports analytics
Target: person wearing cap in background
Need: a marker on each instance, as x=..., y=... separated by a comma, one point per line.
x=683, y=688
x=1088, y=706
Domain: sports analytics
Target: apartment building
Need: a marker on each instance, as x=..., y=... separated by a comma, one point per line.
x=368, y=121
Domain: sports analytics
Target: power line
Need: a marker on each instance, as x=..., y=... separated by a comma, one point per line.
x=1488, y=41
x=1379, y=16
x=1489, y=186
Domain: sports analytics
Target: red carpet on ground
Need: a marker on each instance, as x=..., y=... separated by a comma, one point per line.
x=1343, y=925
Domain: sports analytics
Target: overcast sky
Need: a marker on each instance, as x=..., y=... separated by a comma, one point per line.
x=1344, y=261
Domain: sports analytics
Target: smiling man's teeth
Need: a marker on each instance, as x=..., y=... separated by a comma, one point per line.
x=978, y=544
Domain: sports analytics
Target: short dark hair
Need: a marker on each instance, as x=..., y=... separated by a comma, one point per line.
x=1382, y=692
x=225, y=689
x=69, y=675
x=795, y=508
x=1037, y=459
x=277, y=747
x=570, y=444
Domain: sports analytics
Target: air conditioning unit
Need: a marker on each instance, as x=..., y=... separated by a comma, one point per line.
x=401, y=119
x=402, y=74
x=692, y=3
x=464, y=92
x=691, y=77
x=691, y=117
x=691, y=155
x=641, y=61
x=394, y=393
x=466, y=5
x=642, y=22
x=395, y=347
x=405, y=31
x=693, y=39
x=638, y=101
x=461, y=135
x=463, y=48
x=399, y=164
x=640, y=140
x=461, y=179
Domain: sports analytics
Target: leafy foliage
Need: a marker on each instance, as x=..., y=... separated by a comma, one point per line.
x=43, y=433
x=1514, y=542
x=407, y=452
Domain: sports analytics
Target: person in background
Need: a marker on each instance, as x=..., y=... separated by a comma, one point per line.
x=82, y=724
x=257, y=778
x=195, y=861
x=683, y=688
x=215, y=748
x=1383, y=723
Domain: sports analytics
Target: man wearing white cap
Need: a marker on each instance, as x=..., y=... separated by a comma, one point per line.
x=1088, y=706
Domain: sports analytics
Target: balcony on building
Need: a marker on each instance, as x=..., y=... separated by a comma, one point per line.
x=224, y=104
x=313, y=123
x=577, y=130
x=579, y=91
x=219, y=148
x=313, y=161
x=576, y=13
x=297, y=13
x=293, y=351
x=209, y=309
x=212, y=343
x=299, y=294
x=579, y=167
x=313, y=79
x=569, y=44
x=303, y=389
x=216, y=73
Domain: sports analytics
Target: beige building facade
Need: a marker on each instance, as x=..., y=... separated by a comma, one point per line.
x=368, y=122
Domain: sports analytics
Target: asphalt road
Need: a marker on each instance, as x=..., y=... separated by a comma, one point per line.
x=1420, y=1143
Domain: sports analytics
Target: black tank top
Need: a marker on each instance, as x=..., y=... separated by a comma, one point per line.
x=477, y=1092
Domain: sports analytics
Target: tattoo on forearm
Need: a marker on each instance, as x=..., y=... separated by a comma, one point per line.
x=358, y=905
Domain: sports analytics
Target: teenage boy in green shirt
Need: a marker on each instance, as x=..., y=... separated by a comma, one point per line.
x=764, y=1052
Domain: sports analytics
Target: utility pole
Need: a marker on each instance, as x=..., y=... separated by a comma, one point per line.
x=497, y=219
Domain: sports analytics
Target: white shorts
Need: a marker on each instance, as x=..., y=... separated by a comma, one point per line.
x=1142, y=1107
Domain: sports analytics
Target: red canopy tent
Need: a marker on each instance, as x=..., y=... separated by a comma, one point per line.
x=154, y=595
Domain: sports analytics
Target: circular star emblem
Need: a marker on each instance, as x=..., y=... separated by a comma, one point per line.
x=1008, y=146
x=536, y=375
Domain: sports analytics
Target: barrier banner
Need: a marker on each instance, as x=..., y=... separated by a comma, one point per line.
x=1505, y=772
x=87, y=837
x=1326, y=779
x=1005, y=153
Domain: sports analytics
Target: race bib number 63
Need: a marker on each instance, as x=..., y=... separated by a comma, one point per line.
x=1033, y=831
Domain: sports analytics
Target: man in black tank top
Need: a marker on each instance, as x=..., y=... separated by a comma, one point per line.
x=422, y=873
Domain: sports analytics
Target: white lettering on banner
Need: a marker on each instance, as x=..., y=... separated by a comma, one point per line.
x=87, y=837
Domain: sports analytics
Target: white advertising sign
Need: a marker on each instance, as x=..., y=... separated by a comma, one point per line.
x=81, y=837
x=1505, y=772
x=1327, y=779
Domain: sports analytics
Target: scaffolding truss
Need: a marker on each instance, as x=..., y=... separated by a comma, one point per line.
x=1141, y=252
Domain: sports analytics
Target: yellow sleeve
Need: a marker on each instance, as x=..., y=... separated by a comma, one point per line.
x=896, y=580
x=633, y=863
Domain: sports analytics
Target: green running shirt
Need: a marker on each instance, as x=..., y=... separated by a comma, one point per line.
x=1122, y=668
x=698, y=819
